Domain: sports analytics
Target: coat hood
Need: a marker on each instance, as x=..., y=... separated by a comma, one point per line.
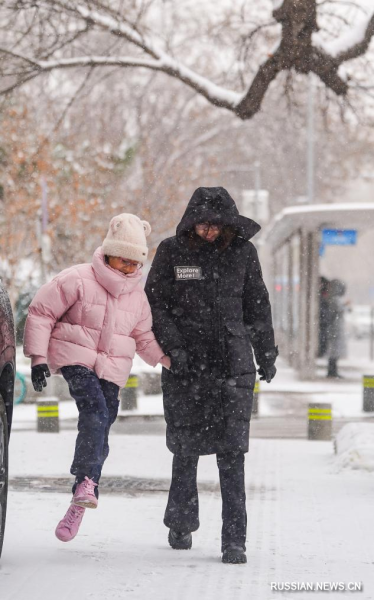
x=215, y=205
x=337, y=287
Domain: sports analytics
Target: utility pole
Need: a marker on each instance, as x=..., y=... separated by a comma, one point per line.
x=257, y=172
x=44, y=187
x=39, y=237
x=41, y=231
x=311, y=140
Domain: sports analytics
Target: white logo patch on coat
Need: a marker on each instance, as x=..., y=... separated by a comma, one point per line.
x=183, y=273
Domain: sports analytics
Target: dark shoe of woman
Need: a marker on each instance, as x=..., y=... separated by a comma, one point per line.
x=234, y=555
x=179, y=540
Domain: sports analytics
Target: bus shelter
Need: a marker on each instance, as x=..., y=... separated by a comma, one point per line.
x=296, y=236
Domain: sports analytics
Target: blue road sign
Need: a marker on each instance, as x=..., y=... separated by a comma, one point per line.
x=339, y=237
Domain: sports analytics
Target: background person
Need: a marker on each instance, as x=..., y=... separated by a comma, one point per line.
x=209, y=303
x=336, y=338
x=323, y=315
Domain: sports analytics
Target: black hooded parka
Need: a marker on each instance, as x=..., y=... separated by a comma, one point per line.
x=213, y=303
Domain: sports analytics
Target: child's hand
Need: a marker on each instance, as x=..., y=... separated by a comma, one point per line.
x=38, y=377
x=166, y=362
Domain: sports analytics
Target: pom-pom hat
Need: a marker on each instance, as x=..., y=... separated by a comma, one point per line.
x=126, y=238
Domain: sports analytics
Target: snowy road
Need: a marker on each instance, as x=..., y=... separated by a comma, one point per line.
x=308, y=522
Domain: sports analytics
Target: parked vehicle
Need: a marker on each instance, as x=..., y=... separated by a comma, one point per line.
x=7, y=374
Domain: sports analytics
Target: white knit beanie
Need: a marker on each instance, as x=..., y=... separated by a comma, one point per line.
x=126, y=238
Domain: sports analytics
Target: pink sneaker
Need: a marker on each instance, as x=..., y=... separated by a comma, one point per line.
x=68, y=527
x=85, y=494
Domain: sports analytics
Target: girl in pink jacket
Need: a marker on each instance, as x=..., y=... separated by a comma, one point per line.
x=87, y=324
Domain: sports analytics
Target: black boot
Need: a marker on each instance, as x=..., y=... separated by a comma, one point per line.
x=234, y=555
x=179, y=540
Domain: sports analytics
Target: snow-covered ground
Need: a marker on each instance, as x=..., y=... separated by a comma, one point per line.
x=310, y=520
x=354, y=446
x=307, y=523
x=50, y=454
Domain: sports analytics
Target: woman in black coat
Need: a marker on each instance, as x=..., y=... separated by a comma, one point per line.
x=210, y=305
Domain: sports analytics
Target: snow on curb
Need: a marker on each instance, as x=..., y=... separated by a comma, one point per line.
x=354, y=447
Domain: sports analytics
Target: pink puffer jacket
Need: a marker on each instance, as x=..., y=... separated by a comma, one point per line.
x=92, y=315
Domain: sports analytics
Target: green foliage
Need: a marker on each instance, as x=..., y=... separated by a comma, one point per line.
x=120, y=163
x=2, y=157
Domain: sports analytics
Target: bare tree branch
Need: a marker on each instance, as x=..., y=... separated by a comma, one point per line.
x=361, y=47
x=32, y=62
x=299, y=49
x=251, y=103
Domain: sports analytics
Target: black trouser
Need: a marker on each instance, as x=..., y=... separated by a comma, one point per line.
x=97, y=402
x=182, y=511
x=332, y=370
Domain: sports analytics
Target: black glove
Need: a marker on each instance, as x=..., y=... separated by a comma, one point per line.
x=267, y=373
x=38, y=377
x=179, y=362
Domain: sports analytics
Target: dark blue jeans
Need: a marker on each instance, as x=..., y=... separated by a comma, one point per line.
x=182, y=511
x=97, y=402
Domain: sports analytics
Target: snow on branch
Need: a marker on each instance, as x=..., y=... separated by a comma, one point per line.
x=300, y=48
x=214, y=93
x=352, y=43
x=277, y=4
x=164, y=62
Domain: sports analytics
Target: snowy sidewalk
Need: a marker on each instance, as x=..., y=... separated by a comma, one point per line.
x=308, y=522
